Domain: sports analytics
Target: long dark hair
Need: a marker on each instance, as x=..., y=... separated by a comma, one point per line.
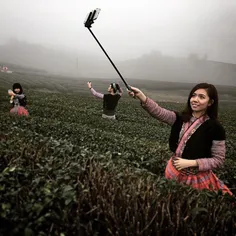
x=115, y=87
x=212, y=111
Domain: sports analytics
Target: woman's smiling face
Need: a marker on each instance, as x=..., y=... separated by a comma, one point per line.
x=200, y=101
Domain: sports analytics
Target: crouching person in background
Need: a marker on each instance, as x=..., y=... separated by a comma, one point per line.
x=18, y=101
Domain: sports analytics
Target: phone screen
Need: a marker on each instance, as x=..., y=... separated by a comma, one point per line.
x=97, y=11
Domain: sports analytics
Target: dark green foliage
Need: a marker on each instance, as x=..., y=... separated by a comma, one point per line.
x=67, y=171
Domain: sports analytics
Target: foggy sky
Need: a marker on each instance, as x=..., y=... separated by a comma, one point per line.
x=126, y=28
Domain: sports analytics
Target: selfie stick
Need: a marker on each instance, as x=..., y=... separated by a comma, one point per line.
x=91, y=17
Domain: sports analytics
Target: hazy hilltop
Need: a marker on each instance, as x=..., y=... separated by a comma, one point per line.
x=58, y=61
x=195, y=68
x=152, y=66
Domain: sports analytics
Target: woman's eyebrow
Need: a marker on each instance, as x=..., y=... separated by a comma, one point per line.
x=202, y=94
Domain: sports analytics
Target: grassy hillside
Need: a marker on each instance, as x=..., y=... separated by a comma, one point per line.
x=70, y=172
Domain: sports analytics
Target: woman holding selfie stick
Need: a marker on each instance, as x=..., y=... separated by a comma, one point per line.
x=197, y=139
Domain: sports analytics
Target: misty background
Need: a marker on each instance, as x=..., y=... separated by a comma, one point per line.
x=175, y=40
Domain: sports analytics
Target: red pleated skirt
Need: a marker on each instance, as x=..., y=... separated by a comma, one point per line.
x=200, y=180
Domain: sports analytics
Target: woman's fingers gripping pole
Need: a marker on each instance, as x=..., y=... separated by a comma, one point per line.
x=137, y=93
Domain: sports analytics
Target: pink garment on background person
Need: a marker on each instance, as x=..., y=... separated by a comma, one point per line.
x=19, y=110
x=97, y=94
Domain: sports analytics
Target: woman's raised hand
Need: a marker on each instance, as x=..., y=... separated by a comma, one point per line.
x=89, y=85
x=11, y=93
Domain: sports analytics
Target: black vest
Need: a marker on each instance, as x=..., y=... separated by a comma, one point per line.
x=199, y=144
x=109, y=103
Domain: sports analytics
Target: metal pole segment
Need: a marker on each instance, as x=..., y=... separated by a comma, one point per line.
x=127, y=86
